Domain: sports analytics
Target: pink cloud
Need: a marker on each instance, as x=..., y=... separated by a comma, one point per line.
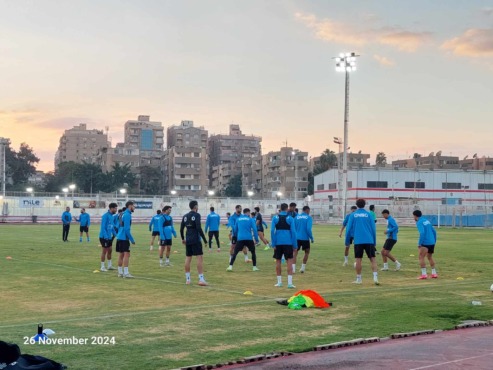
x=384, y=60
x=474, y=42
x=340, y=33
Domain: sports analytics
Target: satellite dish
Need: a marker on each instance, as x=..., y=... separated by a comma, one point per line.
x=465, y=157
x=475, y=155
x=431, y=154
x=359, y=152
x=439, y=153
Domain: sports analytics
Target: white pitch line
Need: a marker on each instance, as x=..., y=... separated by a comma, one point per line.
x=451, y=362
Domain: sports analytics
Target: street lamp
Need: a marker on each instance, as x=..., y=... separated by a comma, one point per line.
x=31, y=191
x=338, y=141
x=3, y=142
x=173, y=192
x=279, y=195
x=293, y=153
x=250, y=193
x=123, y=191
x=210, y=193
x=72, y=188
x=345, y=62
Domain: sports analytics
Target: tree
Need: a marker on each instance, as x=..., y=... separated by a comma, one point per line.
x=311, y=183
x=416, y=155
x=233, y=189
x=328, y=160
x=381, y=159
x=20, y=165
x=151, y=180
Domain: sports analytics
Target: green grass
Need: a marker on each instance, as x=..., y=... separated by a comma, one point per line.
x=159, y=323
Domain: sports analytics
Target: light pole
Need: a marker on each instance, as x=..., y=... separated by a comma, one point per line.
x=123, y=191
x=65, y=191
x=31, y=191
x=3, y=142
x=72, y=188
x=250, y=193
x=293, y=153
x=279, y=195
x=173, y=192
x=345, y=62
x=338, y=140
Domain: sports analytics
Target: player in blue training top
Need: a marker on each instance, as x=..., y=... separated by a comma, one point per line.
x=244, y=228
x=361, y=227
x=391, y=234
x=106, y=235
x=426, y=244
x=66, y=220
x=166, y=231
x=231, y=221
x=304, y=234
x=212, y=227
x=348, y=240
x=156, y=220
x=123, y=240
x=284, y=241
x=293, y=211
x=84, y=223
x=261, y=226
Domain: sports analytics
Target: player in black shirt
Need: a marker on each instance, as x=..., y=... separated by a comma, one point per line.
x=192, y=241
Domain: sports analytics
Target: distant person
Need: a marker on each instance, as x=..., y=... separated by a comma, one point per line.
x=166, y=232
x=362, y=227
x=106, y=235
x=192, y=241
x=348, y=240
x=231, y=222
x=123, y=240
x=212, y=227
x=292, y=211
x=304, y=235
x=374, y=216
x=426, y=244
x=284, y=241
x=84, y=223
x=154, y=227
x=259, y=221
x=244, y=228
x=66, y=220
x=391, y=233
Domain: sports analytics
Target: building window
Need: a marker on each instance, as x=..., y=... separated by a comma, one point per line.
x=332, y=186
x=485, y=186
x=376, y=184
x=146, y=139
x=414, y=185
x=320, y=187
x=196, y=155
x=451, y=185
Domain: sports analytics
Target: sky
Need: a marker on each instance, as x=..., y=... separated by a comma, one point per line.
x=424, y=79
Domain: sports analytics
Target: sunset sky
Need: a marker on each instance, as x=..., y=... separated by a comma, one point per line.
x=424, y=81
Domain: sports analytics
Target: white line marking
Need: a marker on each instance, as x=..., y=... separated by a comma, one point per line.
x=451, y=362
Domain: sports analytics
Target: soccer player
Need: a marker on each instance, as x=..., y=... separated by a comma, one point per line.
x=362, y=227
x=84, y=222
x=304, y=234
x=283, y=240
x=166, y=231
x=260, y=228
x=243, y=229
x=292, y=211
x=232, y=221
x=156, y=220
x=374, y=216
x=212, y=227
x=426, y=244
x=123, y=240
x=348, y=240
x=391, y=233
x=106, y=236
x=191, y=221
x=66, y=220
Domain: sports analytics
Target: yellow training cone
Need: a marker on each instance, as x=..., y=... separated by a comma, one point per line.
x=248, y=293
x=411, y=255
x=175, y=252
x=96, y=271
x=460, y=278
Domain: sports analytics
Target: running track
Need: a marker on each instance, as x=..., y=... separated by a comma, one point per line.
x=470, y=348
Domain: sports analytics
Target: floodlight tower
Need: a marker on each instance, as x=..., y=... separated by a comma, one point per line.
x=345, y=62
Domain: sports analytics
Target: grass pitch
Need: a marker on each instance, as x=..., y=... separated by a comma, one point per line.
x=158, y=322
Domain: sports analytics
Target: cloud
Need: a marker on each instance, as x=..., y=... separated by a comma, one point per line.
x=384, y=60
x=340, y=33
x=403, y=40
x=475, y=42
x=487, y=11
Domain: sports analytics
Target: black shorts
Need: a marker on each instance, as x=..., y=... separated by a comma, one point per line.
x=155, y=233
x=164, y=242
x=122, y=246
x=304, y=245
x=106, y=243
x=431, y=248
x=244, y=243
x=214, y=233
x=260, y=229
x=287, y=250
x=360, y=248
x=84, y=229
x=194, y=250
x=234, y=240
x=389, y=244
